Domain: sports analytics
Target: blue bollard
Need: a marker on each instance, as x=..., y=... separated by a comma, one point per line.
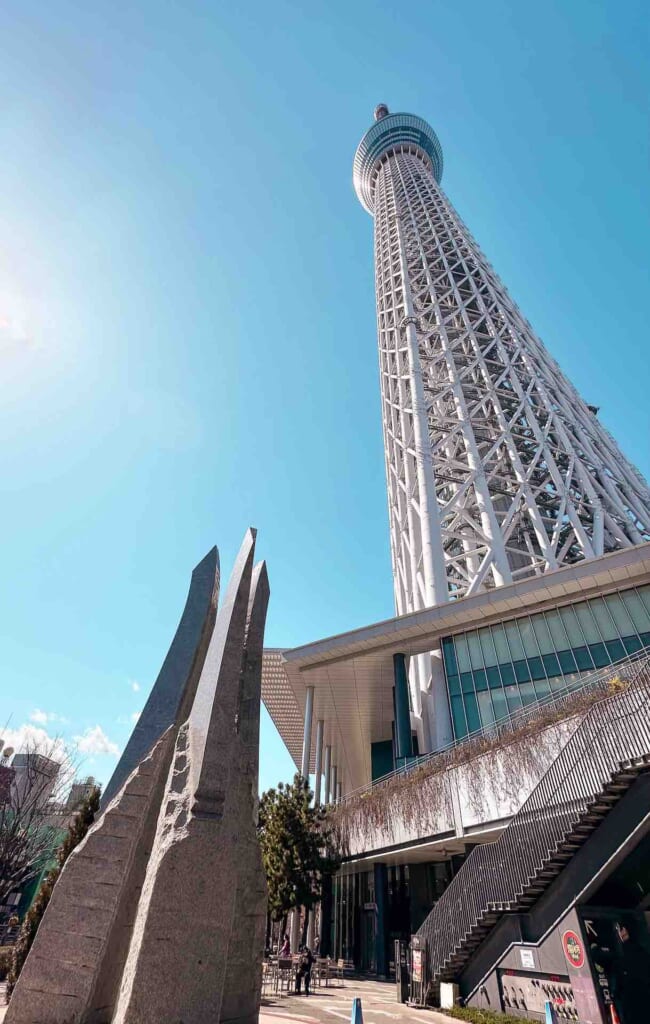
x=357, y=1012
x=550, y=1016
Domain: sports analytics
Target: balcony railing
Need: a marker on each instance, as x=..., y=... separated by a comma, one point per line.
x=503, y=728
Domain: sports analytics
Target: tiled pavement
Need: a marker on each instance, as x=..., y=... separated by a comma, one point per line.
x=333, y=1004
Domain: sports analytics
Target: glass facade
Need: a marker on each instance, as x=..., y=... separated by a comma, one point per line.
x=493, y=671
x=358, y=926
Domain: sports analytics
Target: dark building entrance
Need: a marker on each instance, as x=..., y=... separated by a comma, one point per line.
x=616, y=929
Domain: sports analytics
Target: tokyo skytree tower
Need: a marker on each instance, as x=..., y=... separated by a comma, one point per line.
x=496, y=467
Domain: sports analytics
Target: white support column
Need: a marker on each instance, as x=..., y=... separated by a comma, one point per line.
x=327, y=775
x=333, y=774
x=339, y=792
x=320, y=725
x=306, y=740
x=294, y=936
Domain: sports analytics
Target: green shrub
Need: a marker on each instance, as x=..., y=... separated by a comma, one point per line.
x=80, y=824
x=478, y=1016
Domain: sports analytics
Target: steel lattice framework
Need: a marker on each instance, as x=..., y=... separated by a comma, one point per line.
x=496, y=467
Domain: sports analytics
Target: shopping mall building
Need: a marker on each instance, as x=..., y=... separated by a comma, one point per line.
x=485, y=752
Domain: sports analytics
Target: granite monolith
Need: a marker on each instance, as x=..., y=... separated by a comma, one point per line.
x=176, y=968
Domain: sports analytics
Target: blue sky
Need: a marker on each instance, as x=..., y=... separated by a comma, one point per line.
x=187, y=327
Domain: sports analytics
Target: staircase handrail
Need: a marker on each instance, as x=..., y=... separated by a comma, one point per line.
x=494, y=875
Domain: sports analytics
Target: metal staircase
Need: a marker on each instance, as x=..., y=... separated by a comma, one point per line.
x=601, y=760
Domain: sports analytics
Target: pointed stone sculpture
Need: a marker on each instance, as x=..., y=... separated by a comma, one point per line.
x=141, y=926
x=189, y=644
x=176, y=966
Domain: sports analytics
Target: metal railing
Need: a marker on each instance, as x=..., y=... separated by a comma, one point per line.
x=501, y=729
x=611, y=743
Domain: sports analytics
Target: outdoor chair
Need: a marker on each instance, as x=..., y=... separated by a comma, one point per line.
x=316, y=973
x=339, y=971
x=269, y=976
x=286, y=975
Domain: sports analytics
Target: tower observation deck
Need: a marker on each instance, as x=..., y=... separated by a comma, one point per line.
x=496, y=468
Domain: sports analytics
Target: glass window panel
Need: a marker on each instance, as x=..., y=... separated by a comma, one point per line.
x=462, y=653
x=637, y=610
x=588, y=623
x=454, y=684
x=458, y=713
x=507, y=674
x=544, y=638
x=528, y=638
x=471, y=711
x=606, y=624
x=487, y=645
x=466, y=682
x=475, y=652
x=527, y=693
x=572, y=626
x=494, y=677
x=644, y=594
x=557, y=630
x=499, y=702
x=632, y=644
x=645, y=639
x=560, y=682
x=583, y=658
x=514, y=641
x=552, y=665
x=486, y=708
x=567, y=662
x=480, y=679
x=599, y=654
x=536, y=668
x=615, y=649
x=543, y=687
x=500, y=643
x=449, y=654
x=522, y=672
x=513, y=698
x=620, y=615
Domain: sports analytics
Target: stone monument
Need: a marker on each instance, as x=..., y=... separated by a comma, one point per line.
x=158, y=915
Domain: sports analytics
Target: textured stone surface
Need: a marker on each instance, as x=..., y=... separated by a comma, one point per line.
x=165, y=700
x=243, y=978
x=176, y=967
x=60, y=974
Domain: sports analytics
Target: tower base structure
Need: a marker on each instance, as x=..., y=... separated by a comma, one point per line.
x=158, y=915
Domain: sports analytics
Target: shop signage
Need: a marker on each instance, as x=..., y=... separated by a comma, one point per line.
x=573, y=949
x=527, y=958
x=416, y=964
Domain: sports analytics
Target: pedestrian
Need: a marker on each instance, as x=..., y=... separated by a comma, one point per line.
x=304, y=970
x=285, y=948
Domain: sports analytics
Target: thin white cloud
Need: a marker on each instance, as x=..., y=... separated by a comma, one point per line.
x=32, y=737
x=43, y=717
x=135, y=685
x=95, y=741
x=135, y=715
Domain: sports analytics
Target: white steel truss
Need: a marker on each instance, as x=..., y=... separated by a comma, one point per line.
x=496, y=467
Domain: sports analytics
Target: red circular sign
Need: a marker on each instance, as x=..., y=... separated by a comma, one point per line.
x=573, y=950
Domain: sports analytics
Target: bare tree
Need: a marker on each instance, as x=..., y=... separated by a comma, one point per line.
x=32, y=812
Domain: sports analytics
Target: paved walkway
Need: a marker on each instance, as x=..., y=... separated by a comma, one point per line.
x=333, y=1004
